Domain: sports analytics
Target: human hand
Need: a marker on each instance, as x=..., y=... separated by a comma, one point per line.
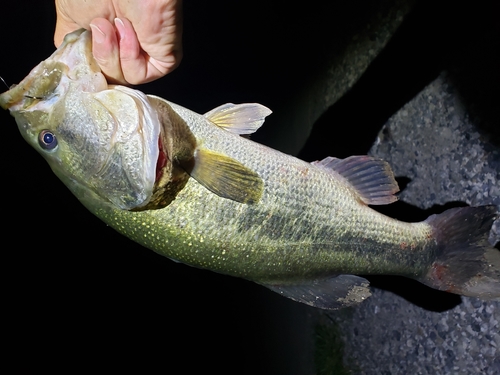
x=133, y=42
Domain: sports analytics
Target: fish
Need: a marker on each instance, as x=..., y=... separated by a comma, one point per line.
x=194, y=188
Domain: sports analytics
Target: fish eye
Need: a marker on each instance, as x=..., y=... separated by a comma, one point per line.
x=47, y=140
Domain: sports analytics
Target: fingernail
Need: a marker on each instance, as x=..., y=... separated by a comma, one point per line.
x=120, y=26
x=99, y=36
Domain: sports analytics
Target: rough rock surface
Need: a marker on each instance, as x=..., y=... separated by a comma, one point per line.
x=388, y=335
x=432, y=141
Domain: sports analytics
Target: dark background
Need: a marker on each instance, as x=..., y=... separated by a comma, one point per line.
x=75, y=293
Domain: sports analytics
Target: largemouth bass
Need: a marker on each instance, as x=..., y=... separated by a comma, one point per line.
x=191, y=188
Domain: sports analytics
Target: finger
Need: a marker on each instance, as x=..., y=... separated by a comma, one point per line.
x=73, y=15
x=64, y=25
x=62, y=29
x=106, y=50
x=132, y=58
x=159, y=38
x=137, y=65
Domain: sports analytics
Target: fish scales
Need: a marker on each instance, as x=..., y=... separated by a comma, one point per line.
x=307, y=223
x=189, y=187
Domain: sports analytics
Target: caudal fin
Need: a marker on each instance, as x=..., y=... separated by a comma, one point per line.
x=466, y=263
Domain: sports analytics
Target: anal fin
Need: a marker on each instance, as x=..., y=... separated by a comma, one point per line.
x=330, y=294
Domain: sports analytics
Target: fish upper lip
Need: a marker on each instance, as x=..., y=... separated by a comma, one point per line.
x=16, y=94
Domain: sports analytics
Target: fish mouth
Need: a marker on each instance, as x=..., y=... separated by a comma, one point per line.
x=43, y=79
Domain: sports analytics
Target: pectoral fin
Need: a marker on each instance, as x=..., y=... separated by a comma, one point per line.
x=226, y=177
x=239, y=119
x=329, y=294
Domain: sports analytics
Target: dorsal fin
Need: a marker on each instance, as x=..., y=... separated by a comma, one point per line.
x=372, y=178
x=239, y=119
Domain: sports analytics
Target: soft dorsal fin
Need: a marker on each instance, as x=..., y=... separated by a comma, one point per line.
x=239, y=119
x=226, y=177
x=371, y=177
x=330, y=294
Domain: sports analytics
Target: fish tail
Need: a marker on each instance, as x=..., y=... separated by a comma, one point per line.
x=465, y=263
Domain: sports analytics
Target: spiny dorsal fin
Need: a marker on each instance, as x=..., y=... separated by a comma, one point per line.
x=329, y=294
x=371, y=177
x=239, y=119
x=226, y=177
